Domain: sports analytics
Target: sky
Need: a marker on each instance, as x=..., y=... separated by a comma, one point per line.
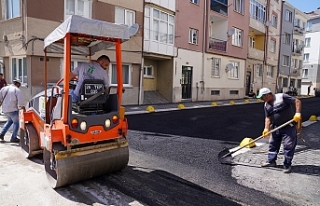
x=305, y=5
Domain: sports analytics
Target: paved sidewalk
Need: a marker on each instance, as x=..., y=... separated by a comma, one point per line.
x=301, y=186
x=141, y=109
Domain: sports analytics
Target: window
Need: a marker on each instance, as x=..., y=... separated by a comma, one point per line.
x=307, y=42
x=219, y=6
x=124, y=16
x=76, y=63
x=309, y=26
x=162, y=27
x=19, y=68
x=252, y=42
x=77, y=7
x=288, y=16
x=215, y=67
x=215, y=92
x=126, y=74
x=273, y=45
x=13, y=9
x=285, y=60
x=305, y=73
x=234, y=92
x=259, y=70
x=1, y=68
x=296, y=22
x=270, y=70
x=274, y=20
x=285, y=82
x=234, y=73
x=194, y=1
x=237, y=37
x=238, y=6
x=148, y=71
x=300, y=64
x=299, y=83
x=257, y=11
x=294, y=63
x=193, y=36
x=287, y=38
x=306, y=57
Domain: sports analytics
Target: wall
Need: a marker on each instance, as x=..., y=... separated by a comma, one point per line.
x=285, y=49
x=150, y=84
x=193, y=59
x=183, y=22
x=165, y=78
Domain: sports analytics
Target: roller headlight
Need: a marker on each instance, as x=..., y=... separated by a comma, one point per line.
x=83, y=125
x=107, y=123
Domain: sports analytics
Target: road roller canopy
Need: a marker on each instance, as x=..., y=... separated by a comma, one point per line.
x=88, y=36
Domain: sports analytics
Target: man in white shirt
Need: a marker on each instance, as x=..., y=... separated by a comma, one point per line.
x=92, y=70
x=12, y=101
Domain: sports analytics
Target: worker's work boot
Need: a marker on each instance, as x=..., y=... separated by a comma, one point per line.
x=287, y=169
x=269, y=164
x=2, y=137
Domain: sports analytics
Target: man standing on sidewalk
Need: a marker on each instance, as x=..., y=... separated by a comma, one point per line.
x=12, y=100
x=279, y=109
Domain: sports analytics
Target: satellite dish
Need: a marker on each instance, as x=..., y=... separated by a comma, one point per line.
x=231, y=32
x=133, y=29
x=229, y=67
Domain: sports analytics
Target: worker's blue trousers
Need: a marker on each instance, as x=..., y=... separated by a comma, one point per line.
x=286, y=135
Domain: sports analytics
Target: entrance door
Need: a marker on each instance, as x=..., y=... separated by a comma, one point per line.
x=186, y=82
x=248, y=83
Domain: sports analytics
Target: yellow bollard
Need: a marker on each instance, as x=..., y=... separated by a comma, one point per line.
x=214, y=104
x=150, y=109
x=181, y=106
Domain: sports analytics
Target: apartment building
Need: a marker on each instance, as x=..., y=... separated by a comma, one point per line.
x=158, y=51
x=264, y=30
x=292, y=47
x=188, y=82
x=211, y=50
x=24, y=24
x=311, y=63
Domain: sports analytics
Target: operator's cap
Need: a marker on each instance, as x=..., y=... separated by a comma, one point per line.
x=263, y=91
x=17, y=81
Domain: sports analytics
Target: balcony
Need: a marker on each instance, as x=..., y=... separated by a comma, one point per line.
x=256, y=54
x=217, y=45
x=219, y=6
x=297, y=50
x=298, y=30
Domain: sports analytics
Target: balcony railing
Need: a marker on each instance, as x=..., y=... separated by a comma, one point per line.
x=256, y=54
x=298, y=30
x=297, y=50
x=217, y=44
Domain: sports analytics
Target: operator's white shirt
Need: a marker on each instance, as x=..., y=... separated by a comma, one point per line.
x=13, y=98
x=91, y=70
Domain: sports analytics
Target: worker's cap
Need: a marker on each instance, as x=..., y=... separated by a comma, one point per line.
x=17, y=81
x=263, y=91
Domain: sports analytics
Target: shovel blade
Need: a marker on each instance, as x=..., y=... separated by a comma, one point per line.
x=225, y=157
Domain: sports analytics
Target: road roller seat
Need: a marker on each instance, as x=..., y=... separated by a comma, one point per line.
x=92, y=96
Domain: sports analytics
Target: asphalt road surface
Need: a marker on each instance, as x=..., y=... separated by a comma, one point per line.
x=173, y=161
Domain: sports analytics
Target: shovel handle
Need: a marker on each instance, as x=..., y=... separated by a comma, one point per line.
x=271, y=131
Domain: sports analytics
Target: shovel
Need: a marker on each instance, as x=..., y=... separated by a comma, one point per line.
x=225, y=156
